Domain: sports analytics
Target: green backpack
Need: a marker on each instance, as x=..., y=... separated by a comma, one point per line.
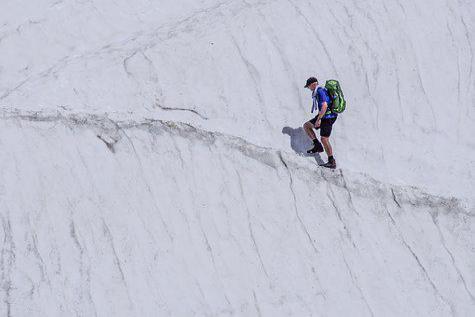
x=336, y=95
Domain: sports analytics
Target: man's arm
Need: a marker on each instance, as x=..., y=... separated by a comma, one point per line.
x=321, y=113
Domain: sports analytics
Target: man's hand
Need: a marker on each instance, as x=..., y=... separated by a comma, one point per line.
x=318, y=122
x=321, y=114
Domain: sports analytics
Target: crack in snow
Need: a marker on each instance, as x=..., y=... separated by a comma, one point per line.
x=451, y=256
x=181, y=109
x=302, y=224
x=355, y=282
x=251, y=231
x=419, y=263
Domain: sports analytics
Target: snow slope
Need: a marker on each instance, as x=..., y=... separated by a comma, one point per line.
x=149, y=165
x=239, y=67
x=146, y=218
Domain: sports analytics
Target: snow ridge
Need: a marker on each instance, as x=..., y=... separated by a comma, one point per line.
x=110, y=127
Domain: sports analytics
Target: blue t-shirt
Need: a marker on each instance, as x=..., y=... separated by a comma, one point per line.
x=319, y=97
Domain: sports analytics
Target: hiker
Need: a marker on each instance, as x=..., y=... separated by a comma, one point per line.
x=324, y=121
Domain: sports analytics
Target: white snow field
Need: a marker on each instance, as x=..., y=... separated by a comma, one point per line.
x=151, y=158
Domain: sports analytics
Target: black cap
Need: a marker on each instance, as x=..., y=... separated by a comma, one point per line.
x=310, y=81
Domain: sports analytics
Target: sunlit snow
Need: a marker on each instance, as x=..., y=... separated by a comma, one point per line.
x=152, y=160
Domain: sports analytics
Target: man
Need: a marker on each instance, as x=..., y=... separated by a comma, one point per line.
x=323, y=121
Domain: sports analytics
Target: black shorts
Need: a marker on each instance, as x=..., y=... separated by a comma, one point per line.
x=325, y=126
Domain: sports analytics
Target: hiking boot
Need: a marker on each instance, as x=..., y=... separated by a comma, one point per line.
x=317, y=147
x=330, y=164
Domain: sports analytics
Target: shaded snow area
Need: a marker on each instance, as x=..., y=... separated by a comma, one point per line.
x=152, y=160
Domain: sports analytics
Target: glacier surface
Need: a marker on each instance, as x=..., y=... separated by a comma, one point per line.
x=152, y=161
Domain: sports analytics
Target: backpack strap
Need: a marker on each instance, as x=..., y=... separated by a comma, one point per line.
x=329, y=103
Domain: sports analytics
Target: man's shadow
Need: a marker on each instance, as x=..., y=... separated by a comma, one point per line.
x=300, y=143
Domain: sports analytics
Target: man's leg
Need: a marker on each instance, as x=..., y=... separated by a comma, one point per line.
x=308, y=127
x=325, y=131
x=327, y=146
x=317, y=146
